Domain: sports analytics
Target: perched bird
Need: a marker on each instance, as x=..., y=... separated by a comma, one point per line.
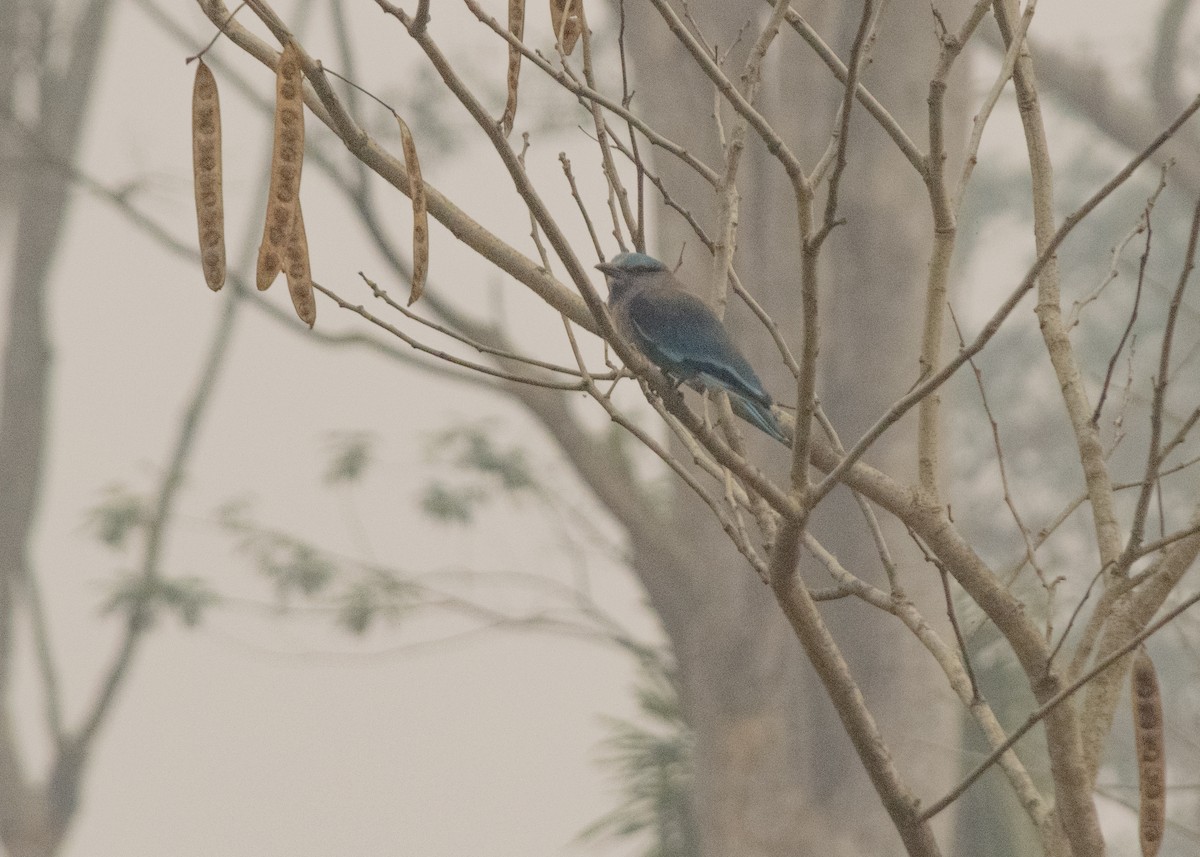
x=683, y=337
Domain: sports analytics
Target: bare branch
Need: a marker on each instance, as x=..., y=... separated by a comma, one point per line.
x=1030, y=547
x=328, y=109
x=728, y=523
x=990, y=329
x=1154, y=455
x=901, y=804
x=1047, y=707
x=989, y=102
x=886, y=121
x=575, y=88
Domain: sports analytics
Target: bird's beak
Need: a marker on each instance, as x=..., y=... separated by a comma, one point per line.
x=607, y=269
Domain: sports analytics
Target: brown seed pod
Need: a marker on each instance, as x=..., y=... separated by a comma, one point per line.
x=1148, y=732
x=516, y=26
x=206, y=172
x=566, y=16
x=420, y=214
x=299, y=275
x=287, y=158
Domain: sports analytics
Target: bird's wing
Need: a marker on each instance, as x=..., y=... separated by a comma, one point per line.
x=678, y=331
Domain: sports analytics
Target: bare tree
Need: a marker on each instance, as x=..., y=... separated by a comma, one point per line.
x=827, y=195
x=761, y=779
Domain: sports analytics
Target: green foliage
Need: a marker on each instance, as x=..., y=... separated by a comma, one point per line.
x=141, y=596
x=357, y=595
x=482, y=471
x=357, y=610
x=295, y=566
x=352, y=453
x=117, y=515
x=451, y=505
x=472, y=449
x=377, y=594
x=654, y=759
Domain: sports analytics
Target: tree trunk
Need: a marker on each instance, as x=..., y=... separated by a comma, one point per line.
x=34, y=814
x=776, y=774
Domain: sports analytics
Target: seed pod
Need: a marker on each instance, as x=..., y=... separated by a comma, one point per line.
x=420, y=214
x=516, y=26
x=1148, y=733
x=299, y=275
x=566, y=16
x=206, y=172
x=287, y=158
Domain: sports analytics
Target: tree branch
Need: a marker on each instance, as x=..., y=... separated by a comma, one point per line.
x=329, y=111
x=900, y=803
x=1051, y=704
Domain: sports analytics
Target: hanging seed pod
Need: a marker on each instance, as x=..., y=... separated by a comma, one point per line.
x=299, y=275
x=516, y=26
x=567, y=19
x=420, y=214
x=287, y=158
x=206, y=172
x=1148, y=733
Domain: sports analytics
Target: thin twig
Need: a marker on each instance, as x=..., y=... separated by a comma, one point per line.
x=1054, y=701
x=1087, y=593
x=587, y=220
x=1077, y=307
x=1133, y=314
x=728, y=524
x=868, y=512
x=971, y=156
x=639, y=237
x=615, y=184
x=360, y=310
x=769, y=323
x=885, y=119
x=458, y=336
x=958, y=634
x=842, y=134
x=1155, y=454
x=581, y=91
x=1009, y=501
x=926, y=387
x=630, y=152
x=1166, y=541
x=220, y=32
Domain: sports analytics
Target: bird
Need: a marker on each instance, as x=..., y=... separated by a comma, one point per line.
x=680, y=335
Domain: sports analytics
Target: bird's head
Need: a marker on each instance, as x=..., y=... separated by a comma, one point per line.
x=627, y=271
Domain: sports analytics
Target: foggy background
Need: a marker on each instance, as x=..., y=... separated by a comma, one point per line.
x=268, y=732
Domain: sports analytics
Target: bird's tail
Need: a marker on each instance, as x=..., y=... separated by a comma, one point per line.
x=761, y=416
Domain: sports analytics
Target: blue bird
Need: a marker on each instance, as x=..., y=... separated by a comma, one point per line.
x=683, y=337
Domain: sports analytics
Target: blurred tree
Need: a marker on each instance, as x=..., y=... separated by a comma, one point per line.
x=48, y=57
